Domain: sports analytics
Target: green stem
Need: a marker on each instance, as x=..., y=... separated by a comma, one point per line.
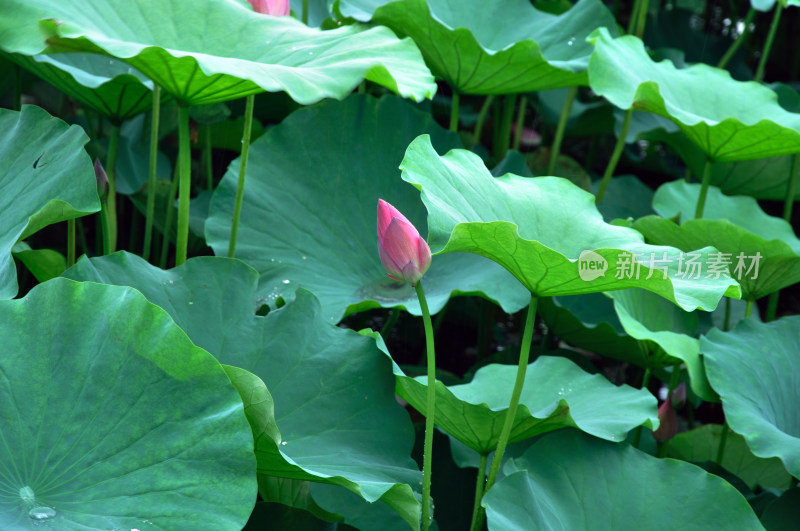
x=106, y=228
x=111, y=172
x=304, y=13
x=637, y=5
x=562, y=126
x=523, y=105
x=788, y=204
x=748, y=309
x=479, y=483
x=151, y=176
x=390, y=322
x=722, y=440
x=504, y=140
x=748, y=19
x=17, y=87
x=209, y=171
x=701, y=199
x=675, y=377
x=773, y=29
x=454, y=112
x=168, y=219
x=70, y=242
x=726, y=323
x=430, y=410
x=237, y=206
x=641, y=18
x=82, y=237
x=638, y=435
x=524, y=353
x=184, y=184
x=487, y=103
x=615, y=155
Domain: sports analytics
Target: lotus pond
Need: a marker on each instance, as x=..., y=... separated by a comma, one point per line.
x=579, y=310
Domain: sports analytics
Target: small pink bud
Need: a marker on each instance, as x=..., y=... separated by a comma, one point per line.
x=276, y=8
x=405, y=255
x=668, y=419
x=102, y=180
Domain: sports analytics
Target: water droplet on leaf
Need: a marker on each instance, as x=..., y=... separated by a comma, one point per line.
x=42, y=513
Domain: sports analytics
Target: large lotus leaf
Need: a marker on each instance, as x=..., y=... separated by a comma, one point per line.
x=702, y=445
x=106, y=85
x=590, y=322
x=112, y=418
x=335, y=416
x=781, y=515
x=649, y=318
x=568, y=480
x=761, y=178
x=541, y=229
x=207, y=51
x=756, y=371
x=556, y=394
x=734, y=121
x=308, y=216
x=521, y=50
x=758, y=250
x=45, y=176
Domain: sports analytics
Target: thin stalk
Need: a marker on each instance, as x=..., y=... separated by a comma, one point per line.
x=675, y=377
x=168, y=219
x=616, y=154
x=390, y=322
x=82, y=237
x=722, y=440
x=17, y=87
x=701, y=199
x=726, y=323
x=773, y=29
x=151, y=176
x=641, y=18
x=748, y=309
x=237, y=206
x=430, y=410
x=478, y=491
x=184, y=184
x=788, y=204
x=111, y=172
x=70, y=242
x=562, y=126
x=454, y=111
x=106, y=228
x=524, y=353
x=487, y=103
x=637, y=5
x=304, y=13
x=638, y=435
x=362, y=87
x=504, y=139
x=523, y=105
x=748, y=19
x=209, y=171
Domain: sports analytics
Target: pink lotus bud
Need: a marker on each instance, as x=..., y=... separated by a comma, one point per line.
x=668, y=419
x=102, y=180
x=276, y=8
x=405, y=255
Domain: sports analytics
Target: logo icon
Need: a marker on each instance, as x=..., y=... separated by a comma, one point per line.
x=591, y=265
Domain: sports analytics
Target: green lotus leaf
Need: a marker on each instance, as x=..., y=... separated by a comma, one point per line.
x=46, y=177
x=735, y=121
x=112, y=418
x=556, y=394
x=208, y=51
x=106, y=85
x=334, y=417
x=545, y=231
x=781, y=515
x=702, y=445
x=522, y=50
x=309, y=211
x=760, y=251
x=755, y=369
x=761, y=178
x=568, y=480
x=43, y=264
